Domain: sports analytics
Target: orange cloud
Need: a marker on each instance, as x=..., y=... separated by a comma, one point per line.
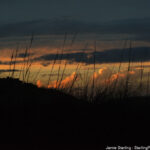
x=101, y=72
x=131, y=72
x=103, y=75
x=120, y=76
x=115, y=76
x=64, y=83
x=39, y=84
x=95, y=75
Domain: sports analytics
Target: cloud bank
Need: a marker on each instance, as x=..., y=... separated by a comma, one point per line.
x=138, y=27
x=108, y=56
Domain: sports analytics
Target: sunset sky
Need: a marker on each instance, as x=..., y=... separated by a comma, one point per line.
x=74, y=26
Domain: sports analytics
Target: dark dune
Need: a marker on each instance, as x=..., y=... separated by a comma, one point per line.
x=38, y=118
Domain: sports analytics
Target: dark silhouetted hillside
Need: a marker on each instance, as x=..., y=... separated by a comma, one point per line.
x=38, y=118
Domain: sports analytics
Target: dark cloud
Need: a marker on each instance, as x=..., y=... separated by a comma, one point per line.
x=23, y=55
x=96, y=10
x=11, y=62
x=8, y=70
x=44, y=27
x=136, y=54
x=108, y=56
x=45, y=64
x=139, y=28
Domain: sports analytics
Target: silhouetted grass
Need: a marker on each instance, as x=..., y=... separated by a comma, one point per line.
x=88, y=89
x=89, y=116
